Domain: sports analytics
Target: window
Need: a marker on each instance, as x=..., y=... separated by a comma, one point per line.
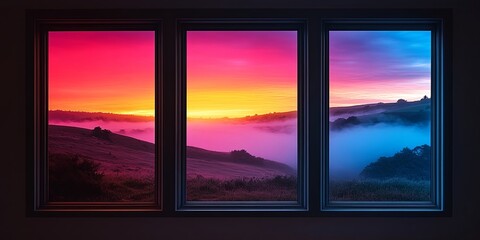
x=281, y=113
x=382, y=109
x=97, y=118
x=242, y=82
x=101, y=116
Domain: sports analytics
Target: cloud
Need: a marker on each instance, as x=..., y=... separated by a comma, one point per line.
x=285, y=129
x=72, y=116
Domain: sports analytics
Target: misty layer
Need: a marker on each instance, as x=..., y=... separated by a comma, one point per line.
x=360, y=143
x=404, y=176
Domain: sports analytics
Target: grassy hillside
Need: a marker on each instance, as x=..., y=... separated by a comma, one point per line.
x=372, y=108
x=118, y=154
x=232, y=165
x=88, y=165
x=405, y=113
x=85, y=167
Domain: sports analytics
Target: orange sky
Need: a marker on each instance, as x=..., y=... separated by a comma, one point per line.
x=102, y=71
x=231, y=73
x=240, y=73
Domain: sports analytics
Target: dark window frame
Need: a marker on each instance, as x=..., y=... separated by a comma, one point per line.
x=437, y=115
x=39, y=201
x=298, y=25
x=168, y=137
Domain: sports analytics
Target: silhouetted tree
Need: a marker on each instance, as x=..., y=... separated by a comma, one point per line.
x=408, y=163
x=101, y=133
x=425, y=98
x=341, y=123
x=243, y=155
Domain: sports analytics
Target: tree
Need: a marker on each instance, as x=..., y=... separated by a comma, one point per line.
x=425, y=98
x=244, y=156
x=411, y=164
x=101, y=133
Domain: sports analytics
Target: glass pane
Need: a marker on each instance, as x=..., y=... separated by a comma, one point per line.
x=380, y=115
x=241, y=115
x=101, y=101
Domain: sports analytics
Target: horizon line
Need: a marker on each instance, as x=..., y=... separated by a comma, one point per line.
x=224, y=117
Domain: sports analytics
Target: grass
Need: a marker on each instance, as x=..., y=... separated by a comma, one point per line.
x=113, y=189
x=75, y=178
x=127, y=189
x=394, y=189
x=279, y=188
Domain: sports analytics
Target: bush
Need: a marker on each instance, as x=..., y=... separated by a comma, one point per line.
x=412, y=164
x=73, y=178
x=342, y=123
x=244, y=156
x=101, y=133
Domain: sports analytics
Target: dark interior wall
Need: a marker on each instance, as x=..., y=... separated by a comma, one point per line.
x=466, y=101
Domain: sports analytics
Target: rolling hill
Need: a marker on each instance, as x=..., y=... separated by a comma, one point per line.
x=119, y=154
x=236, y=164
x=373, y=108
x=401, y=112
x=126, y=155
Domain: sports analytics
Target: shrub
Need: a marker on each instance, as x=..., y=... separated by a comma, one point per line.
x=342, y=123
x=413, y=164
x=73, y=178
x=101, y=133
x=244, y=156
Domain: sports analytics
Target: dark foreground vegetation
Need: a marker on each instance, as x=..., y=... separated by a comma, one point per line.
x=404, y=176
x=412, y=164
x=394, y=189
x=75, y=178
x=279, y=188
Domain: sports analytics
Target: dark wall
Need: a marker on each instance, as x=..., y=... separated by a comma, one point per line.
x=466, y=155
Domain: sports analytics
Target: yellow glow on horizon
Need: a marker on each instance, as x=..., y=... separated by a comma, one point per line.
x=234, y=103
x=145, y=113
x=131, y=101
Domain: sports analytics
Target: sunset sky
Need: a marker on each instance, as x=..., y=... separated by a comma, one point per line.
x=102, y=71
x=239, y=73
x=378, y=66
x=232, y=73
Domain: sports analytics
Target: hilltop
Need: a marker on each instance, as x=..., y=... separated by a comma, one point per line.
x=124, y=154
x=400, y=112
x=257, y=118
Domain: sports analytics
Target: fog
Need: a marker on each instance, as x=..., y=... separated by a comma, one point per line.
x=352, y=149
x=140, y=130
x=275, y=140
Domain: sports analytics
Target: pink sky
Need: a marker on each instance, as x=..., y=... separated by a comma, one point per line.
x=102, y=71
x=239, y=73
x=378, y=66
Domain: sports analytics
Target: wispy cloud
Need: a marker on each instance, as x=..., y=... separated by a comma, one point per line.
x=377, y=66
